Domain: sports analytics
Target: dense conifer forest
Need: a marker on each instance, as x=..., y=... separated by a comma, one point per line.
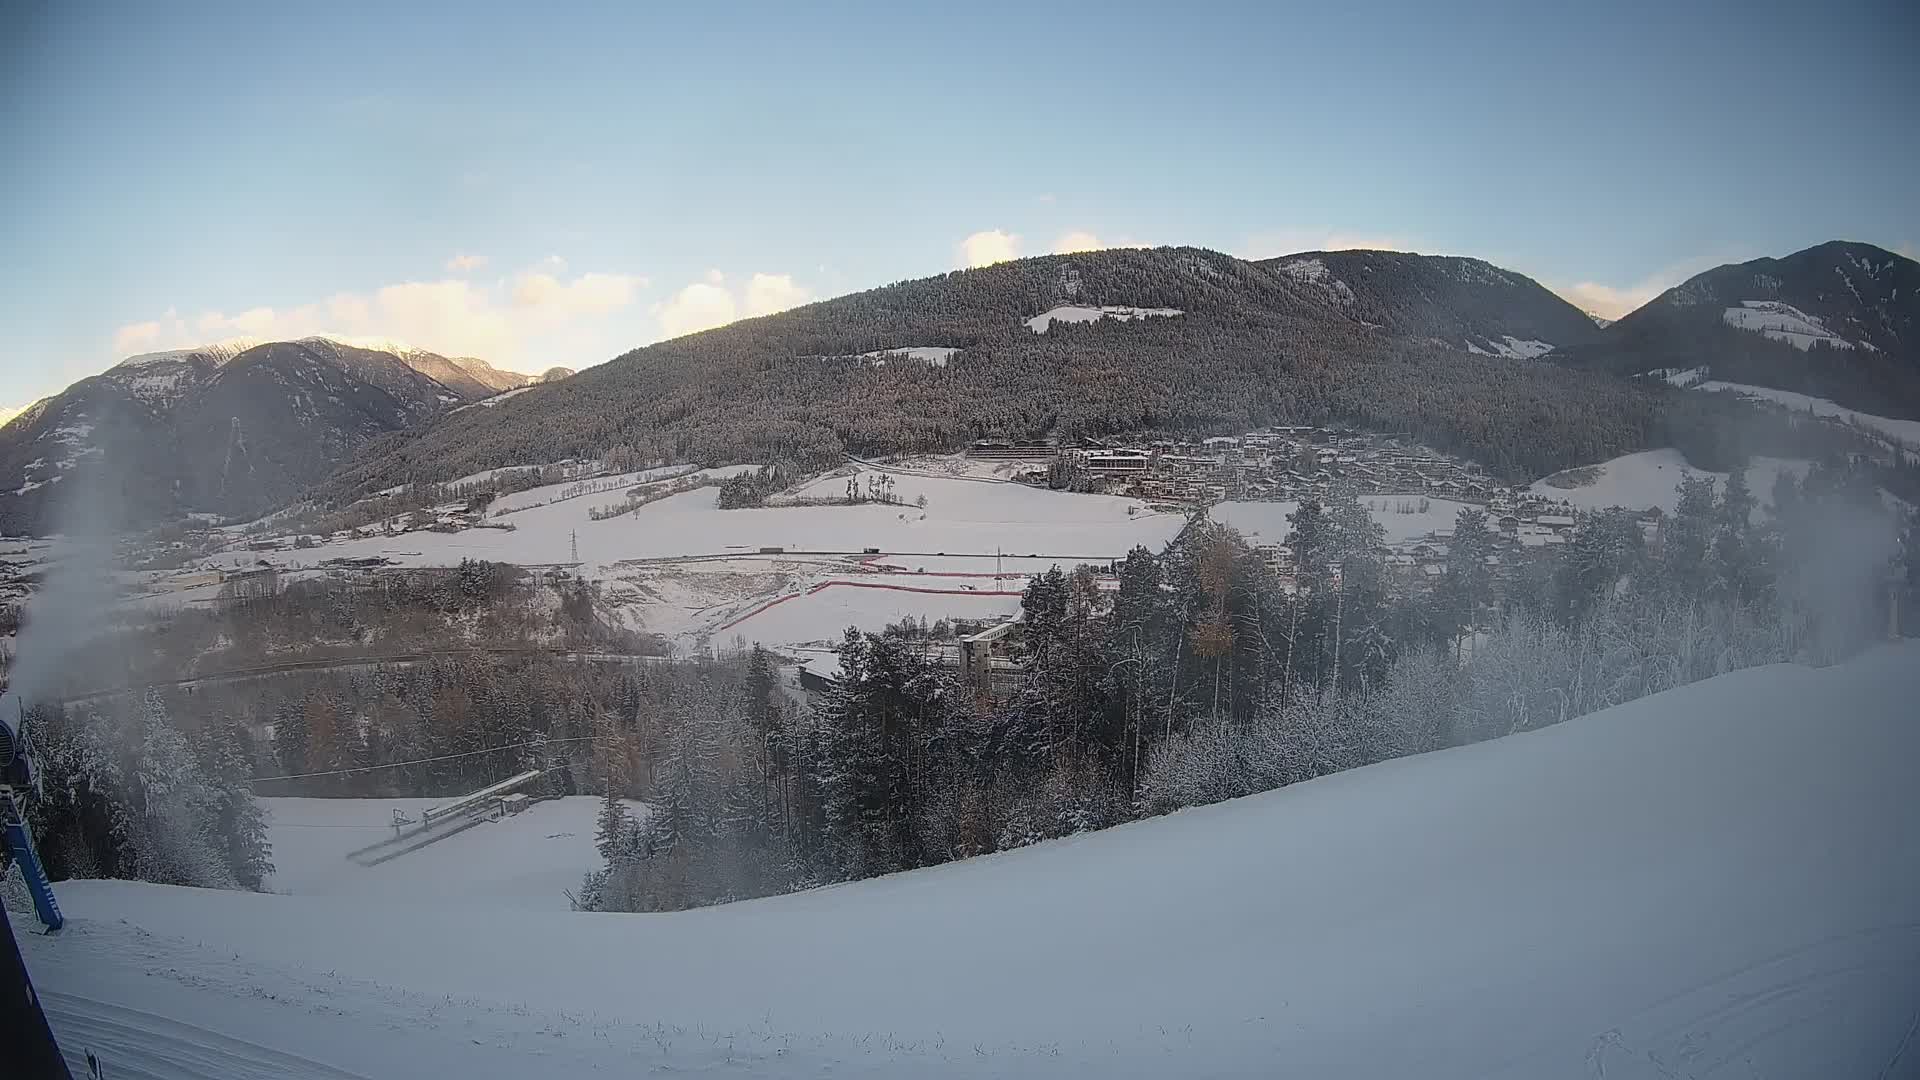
x=1254, y=346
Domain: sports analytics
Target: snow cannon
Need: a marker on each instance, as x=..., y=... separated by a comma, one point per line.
x=20, y=782
x=16, y=764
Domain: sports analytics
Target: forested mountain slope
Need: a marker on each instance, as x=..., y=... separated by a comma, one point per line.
x=1840, y=321
x=1251, y=345
x=235, y=428
x=1466, y=303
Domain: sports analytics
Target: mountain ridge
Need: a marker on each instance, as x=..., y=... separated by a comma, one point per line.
x=1838, y=320
x=1462, y=301
x=1467, y=356
x=232, y=427
x=1230, y=343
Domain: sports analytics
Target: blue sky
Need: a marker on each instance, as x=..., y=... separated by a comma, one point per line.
x=546, y=184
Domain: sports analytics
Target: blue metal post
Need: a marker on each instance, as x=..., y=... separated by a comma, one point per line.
x=20, y=842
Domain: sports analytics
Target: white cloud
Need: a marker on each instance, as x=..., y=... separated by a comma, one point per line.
x=989, y=247
x=462, y=264
x=1613, y=301
x=506, y=323
x=1605, y=300
x=8, y=412
x=140, y=336
x=709, y=302
x=700, y=306
x=1077, y=240
x=588, y=294
x=254, y=322
x=768, y=293
x=1286, y=241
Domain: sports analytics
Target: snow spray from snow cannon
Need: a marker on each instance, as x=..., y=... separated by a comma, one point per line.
x=20, y=782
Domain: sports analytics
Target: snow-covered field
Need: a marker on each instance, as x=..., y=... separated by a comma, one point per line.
x=961, y=517
x=823, y=615
x=1072, y=313
x=930, y=355
x=1904, y=431
x=1782, y=322
x=687, y=569
x=1512, y=348
x=528, y=861
x=1651, y=478
x=1715, y=882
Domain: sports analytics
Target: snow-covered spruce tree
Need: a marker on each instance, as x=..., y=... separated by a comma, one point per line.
x=1468, y=585
x=177, y=841
x=613, y=827
x=83, y=821
x=239, y=823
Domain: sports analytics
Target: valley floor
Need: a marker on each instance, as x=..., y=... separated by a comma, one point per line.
x=1717, y=881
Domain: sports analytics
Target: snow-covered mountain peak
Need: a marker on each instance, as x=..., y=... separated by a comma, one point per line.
x=219, y=352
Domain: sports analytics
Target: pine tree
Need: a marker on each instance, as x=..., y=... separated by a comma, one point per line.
x=1469, y=581
x=1736, y=554
x=1688, y=539
x=1607, y=545
x=238, y=819
x=614, y=830
x=173, y=808
x=290, y=737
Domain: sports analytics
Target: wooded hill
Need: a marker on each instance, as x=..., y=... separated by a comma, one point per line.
x=1840, y=320
x=1254, y=346
x=1465, y=303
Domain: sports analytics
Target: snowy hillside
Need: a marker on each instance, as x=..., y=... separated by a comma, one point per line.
x=1511, y=347
x=1759, y=323
x=1651, y=479
x=1714, y=882
x=930, y=355
x=1075, y=314
x=1783, y=322
x=1314, y=272
x=1904, y=431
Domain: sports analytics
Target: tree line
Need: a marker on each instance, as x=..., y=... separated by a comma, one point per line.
x=1206, y=676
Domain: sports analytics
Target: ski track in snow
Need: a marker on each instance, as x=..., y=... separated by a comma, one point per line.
x=147, y=1046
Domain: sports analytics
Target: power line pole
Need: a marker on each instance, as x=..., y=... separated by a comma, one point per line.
x=576, y=547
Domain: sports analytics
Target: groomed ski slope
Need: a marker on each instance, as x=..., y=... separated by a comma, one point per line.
x=1719, y=881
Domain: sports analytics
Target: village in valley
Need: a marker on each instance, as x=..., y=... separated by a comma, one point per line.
x=1392, y=474
x=1412, y=489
